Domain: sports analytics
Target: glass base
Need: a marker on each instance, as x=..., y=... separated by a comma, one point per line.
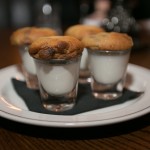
x=84, y=80
x=107, y=91
x=58, y=103
x=31, y=80
x=107, y=96
x=58, y=107
x=84, y=77
x=32, y=83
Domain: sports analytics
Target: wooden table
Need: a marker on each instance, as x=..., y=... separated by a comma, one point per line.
x=129, y=135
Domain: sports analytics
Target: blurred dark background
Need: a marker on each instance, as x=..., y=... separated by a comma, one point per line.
x=18, y=13
x=60, y=14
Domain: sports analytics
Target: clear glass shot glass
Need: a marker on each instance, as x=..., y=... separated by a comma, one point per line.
x=29, y=69
x=84, y=74
x=108, y=70
x=58, y=83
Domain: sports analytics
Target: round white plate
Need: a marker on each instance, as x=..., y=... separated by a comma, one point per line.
x=12, y=106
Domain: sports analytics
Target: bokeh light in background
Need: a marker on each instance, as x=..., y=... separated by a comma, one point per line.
x=18, y=13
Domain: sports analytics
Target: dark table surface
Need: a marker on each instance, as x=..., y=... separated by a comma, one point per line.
x=132, y=134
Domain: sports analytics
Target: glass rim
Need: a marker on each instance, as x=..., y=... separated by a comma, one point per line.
x=108, y=51
x=58, y=61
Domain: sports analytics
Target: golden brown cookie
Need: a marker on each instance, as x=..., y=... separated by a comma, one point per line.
x=108, y=41
x=80, y=31
x=56, y=47
x=27, y=35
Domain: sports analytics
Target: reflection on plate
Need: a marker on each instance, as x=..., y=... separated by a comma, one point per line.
x=12, y=106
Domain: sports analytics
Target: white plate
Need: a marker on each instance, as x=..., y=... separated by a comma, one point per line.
x=12, y=106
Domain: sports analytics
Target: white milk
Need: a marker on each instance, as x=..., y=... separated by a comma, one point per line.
x=28, y=61
x=58, y=80
x=84, y=59
x=108, y=69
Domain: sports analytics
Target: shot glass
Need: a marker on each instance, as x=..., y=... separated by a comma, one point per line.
x=28, y=67
x=81, y=31
x=58, y=82
x=84, y=74
x=23, y=38
x=108, y=71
